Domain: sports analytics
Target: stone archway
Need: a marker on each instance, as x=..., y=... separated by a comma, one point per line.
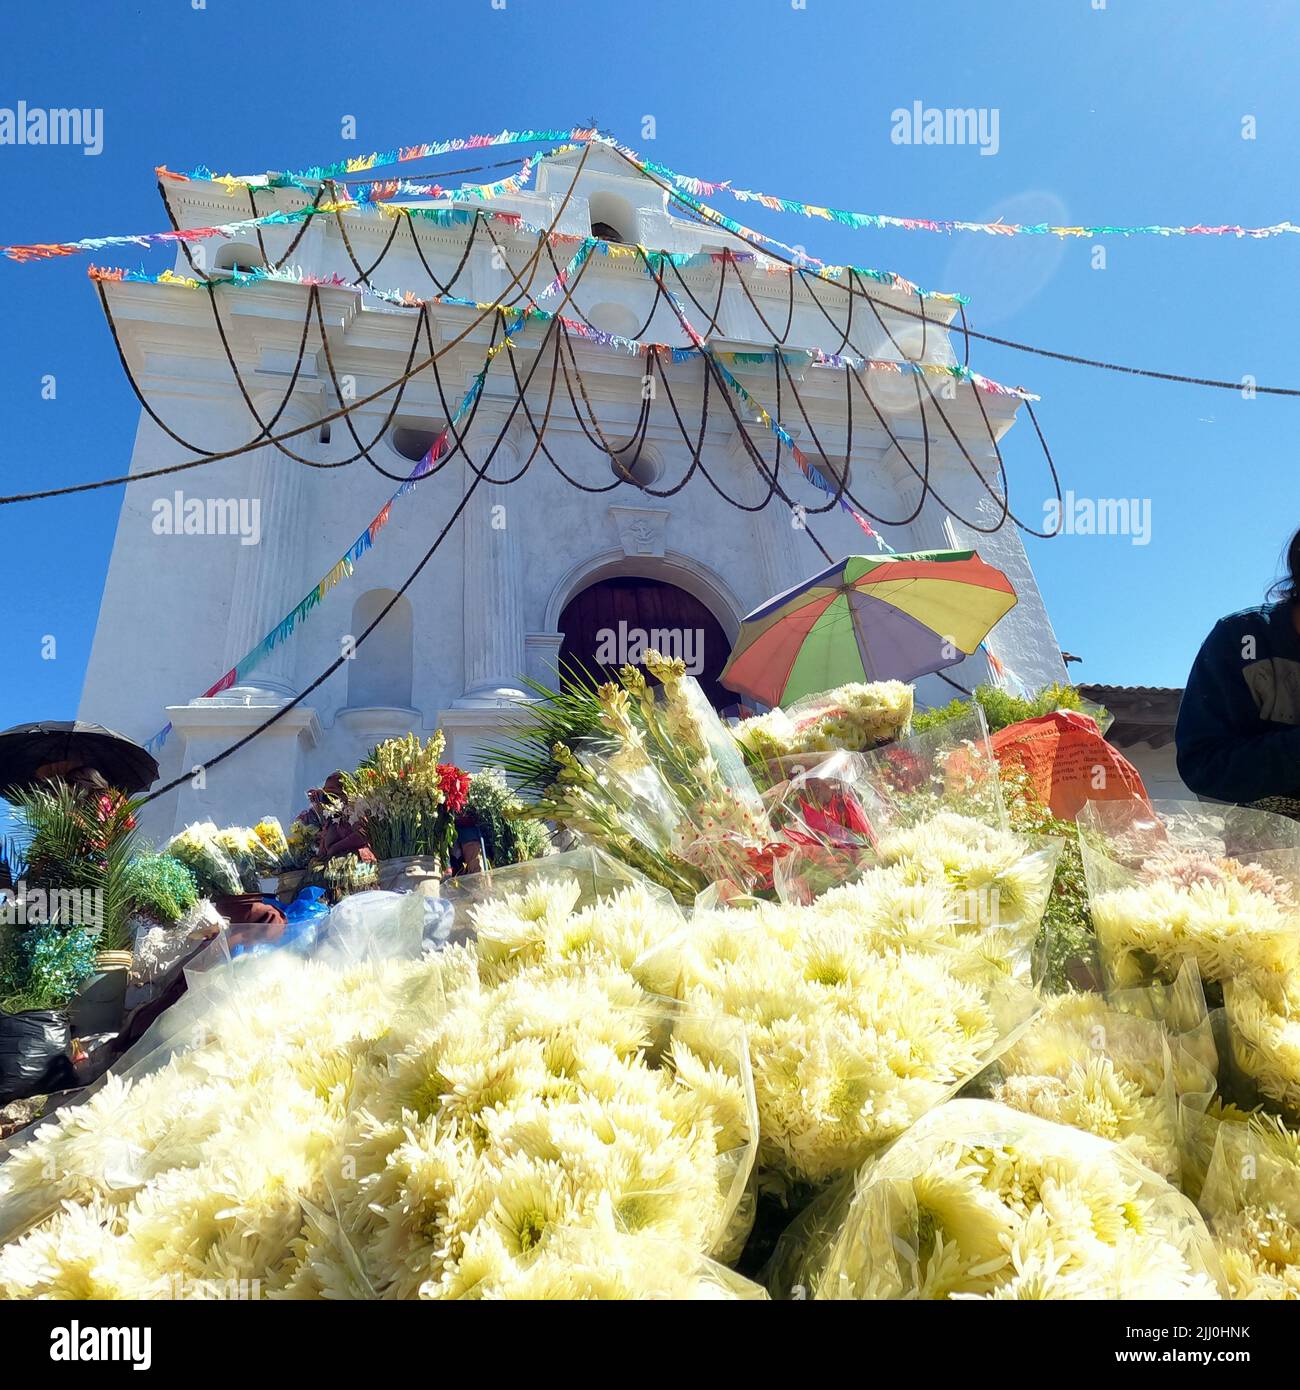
x=611, y=621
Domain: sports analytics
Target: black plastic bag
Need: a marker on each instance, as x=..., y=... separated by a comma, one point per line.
x=35, y=1054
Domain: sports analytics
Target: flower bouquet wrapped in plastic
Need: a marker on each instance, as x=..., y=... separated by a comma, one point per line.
x=851, y=1041
x=950, y=767
x=819, y=809
x=272, y=845
x=579, y=906
x=980, y=1201
x=931, y=803
x=1263, y=1016
x=525, y=1109
x=855, y=717
x=1178, y=880
x=256, y=851
x=662, y=785
x=852, y=1035
x=199, y=848
x=356, y=1120
x=1251, y=1202
x=1110, y=1070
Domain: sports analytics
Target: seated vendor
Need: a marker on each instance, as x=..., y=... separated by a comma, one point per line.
x=1238, y=733
x=339, y=836
x=474, y=846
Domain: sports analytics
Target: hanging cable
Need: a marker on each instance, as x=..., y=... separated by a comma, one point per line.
x=212, y=456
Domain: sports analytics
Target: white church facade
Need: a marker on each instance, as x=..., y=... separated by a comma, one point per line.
x=530, y=570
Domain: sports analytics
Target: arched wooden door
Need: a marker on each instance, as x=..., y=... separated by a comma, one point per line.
x=614, y=620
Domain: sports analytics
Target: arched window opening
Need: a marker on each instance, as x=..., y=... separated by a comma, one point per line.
x=238, y=256
x=835, y=468
x=380, y=671
x=612, y=218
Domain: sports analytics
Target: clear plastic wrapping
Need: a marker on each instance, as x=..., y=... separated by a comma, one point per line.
x=855, y=717
x=980, y=1201
x=1262, y=1011
x=1179, y=880
x=851, y=1039
x=356, y=1119
x=859, y=1016
x=663, y=785
x=1129, y=1070
x=1251, y=1202
x=198, y=847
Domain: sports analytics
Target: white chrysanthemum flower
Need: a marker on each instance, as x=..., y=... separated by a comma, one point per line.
x=995, y=869
x=1227, y=927
x=1264, y=1023
x=1251, y=1199
x=512, y=930
x=1082, y=1063
x=76, y=1254
x=850, y=1044
x=976, y=1201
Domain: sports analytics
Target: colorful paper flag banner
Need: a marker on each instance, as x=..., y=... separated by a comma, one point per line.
x=372, y=197
x=377, y=197
x=706, y=188
x=342, y=568
x=404, y=154
x=709, y=188
x=587, y=245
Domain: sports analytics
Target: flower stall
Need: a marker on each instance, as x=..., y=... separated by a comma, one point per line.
x=807, y=1011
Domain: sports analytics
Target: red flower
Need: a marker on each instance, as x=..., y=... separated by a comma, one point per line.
x=904, y=771
x=455, y=786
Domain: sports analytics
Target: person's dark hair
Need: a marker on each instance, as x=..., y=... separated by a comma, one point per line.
x=89, y=779
x=1287, y=589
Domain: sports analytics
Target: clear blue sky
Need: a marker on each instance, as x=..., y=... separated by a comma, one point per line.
x=1128, y=114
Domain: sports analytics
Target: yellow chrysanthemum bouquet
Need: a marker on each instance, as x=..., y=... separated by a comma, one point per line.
x=1176, y=880
x=853, y=1030
x=855, y=717
x=980, y=1201
x=373, y=1123
x=1251, y=1201
x=1130, y=1069
x=1263, y=1014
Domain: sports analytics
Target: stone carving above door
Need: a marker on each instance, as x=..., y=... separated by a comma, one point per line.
x=640, y=529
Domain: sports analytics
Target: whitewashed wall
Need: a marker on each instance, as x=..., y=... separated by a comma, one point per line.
x=179, y=610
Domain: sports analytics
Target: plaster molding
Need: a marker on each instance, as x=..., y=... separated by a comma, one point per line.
x=673, y=567
x=641, y=530
x=211, y=719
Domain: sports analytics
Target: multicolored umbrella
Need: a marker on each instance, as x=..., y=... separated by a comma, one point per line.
x=867, y=618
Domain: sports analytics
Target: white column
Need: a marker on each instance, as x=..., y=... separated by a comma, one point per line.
x=271, y=577
x=266, y=777
x=492, y=577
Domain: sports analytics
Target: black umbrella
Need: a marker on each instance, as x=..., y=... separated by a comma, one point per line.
x=28, y=750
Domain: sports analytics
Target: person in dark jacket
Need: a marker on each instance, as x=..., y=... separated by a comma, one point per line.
x=1238, y=733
